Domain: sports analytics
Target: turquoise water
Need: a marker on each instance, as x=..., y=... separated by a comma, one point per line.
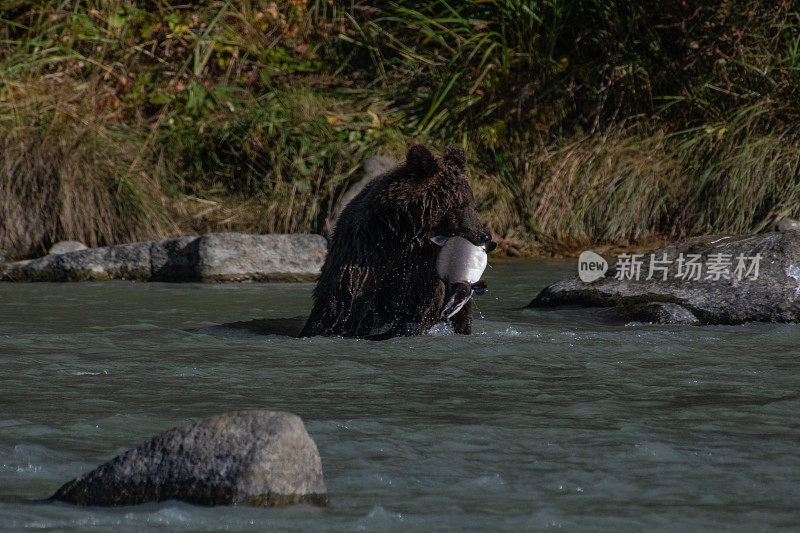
x=542, y=419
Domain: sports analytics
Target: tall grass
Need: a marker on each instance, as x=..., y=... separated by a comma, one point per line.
x=509, y=69
x=585, y=121
x=603, y=121
x=626, y=187
x=288, y=154
x=66, y=178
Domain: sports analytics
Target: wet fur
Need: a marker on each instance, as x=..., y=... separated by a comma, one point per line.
x=379, y=278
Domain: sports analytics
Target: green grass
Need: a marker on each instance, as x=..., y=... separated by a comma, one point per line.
x=290, y=153
x=586, y=122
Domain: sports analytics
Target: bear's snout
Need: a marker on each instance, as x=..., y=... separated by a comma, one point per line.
x=477, y=237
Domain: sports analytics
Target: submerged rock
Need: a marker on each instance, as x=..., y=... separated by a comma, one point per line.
x=259, y=458
x=740, y=279
x=63, y=247
x=210, y=257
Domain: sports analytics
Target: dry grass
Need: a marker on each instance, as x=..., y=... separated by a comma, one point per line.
x=627, y=188
x=66, y=178
x=120, y=123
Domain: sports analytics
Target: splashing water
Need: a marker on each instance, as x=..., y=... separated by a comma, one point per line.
x=794, y=272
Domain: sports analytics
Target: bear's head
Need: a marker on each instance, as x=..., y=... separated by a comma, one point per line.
x=448, y=204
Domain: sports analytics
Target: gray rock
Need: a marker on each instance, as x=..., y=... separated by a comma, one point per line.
x=659, y=313
x=373, y=167
x=174, y=259
x=211, y=257
x=773, y=296
x=126, y=261
x=259, y=458
x=239, y=257
x=787, y=224
x=63, y=247
x=377, y=165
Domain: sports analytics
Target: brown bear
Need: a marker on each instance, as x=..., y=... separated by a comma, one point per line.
x=379, y=278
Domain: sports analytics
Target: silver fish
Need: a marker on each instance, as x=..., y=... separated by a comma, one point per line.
x=460, y=265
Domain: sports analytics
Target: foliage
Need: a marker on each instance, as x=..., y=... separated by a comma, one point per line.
x=586, y=121
x=508, y=69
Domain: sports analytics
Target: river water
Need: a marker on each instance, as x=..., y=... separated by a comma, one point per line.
x=541, y=419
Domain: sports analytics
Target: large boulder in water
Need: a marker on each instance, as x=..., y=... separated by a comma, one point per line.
x=726, y=291
x=260, y=458
x=210, y=257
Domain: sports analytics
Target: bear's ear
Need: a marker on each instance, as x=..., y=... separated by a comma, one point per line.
x=420, y=162
x=454, y=155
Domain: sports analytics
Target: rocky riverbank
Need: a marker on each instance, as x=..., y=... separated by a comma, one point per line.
x=207, y=258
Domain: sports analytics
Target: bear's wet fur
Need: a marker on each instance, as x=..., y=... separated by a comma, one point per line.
x=379, y=278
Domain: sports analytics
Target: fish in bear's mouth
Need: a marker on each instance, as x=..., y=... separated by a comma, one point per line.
x=460, y=265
